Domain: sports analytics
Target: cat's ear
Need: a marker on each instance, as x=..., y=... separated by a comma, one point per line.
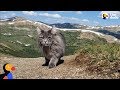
x=39, y=31
x=53, y=30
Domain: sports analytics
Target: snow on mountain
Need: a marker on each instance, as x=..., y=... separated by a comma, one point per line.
x=11, y=23
x=93, y=32
x=2, y=20
x=29, y=35
x=109, y=38
x=93, y=27
x=82, y=28
x=6, y=34
x=113, y=26
x=27, y=45
x=65, y=29
x=19, y=42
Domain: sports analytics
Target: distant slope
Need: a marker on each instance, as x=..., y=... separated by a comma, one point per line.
x=109, y=30
x=69, y=26
x=18, y=37
x=115, y=34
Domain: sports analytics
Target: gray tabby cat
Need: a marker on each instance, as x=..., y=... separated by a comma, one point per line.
x=52, y=43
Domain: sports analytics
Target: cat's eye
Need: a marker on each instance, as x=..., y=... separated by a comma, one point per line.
x=40, y=36
x=49, y=37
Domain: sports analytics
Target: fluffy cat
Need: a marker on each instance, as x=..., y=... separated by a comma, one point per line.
x=52, y=43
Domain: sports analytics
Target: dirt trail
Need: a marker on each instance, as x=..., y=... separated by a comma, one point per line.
x=31, y=68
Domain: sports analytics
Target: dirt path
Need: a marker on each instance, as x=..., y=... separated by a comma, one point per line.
x=31, y=68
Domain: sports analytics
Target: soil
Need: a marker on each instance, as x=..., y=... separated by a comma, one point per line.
x=31, y=68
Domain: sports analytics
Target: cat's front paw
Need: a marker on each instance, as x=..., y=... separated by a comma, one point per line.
x=51, y=65
x=45, y=64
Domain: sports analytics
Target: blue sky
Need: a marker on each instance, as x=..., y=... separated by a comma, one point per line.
x=91, y=18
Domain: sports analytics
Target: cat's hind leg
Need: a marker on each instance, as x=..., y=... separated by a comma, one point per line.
x=60, y=61
x=46, y=62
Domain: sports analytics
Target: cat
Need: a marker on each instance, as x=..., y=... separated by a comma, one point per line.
x=52, y=43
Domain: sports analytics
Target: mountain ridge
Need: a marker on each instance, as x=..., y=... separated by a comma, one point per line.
x=17, y=21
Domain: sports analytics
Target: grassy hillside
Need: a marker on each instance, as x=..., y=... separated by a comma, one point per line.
x=20, y=41
x=100, y=51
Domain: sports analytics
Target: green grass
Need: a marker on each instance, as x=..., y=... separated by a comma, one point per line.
x=17, y=49
x=71, y=37
x=100, y=51
x=98, y=48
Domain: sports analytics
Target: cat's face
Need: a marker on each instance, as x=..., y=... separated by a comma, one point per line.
x=46, y=36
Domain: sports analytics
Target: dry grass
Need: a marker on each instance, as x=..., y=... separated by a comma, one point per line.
x=103, y=68
x=31, y=68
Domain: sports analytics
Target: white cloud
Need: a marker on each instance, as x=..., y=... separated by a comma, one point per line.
x=70, y=19
x=29, y=13
x=85, y=20
x=54, y=20
x=64, y=11
x=73, y=18
x=67, y=19
x=78, y=12
x=13, y=14
x=60, y=11
x=62, y=20
x=5, y=16
x=50, y=15
x=95, y=22
x=3, y=11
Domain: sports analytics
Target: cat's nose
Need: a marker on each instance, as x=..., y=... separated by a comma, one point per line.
x=45, y=40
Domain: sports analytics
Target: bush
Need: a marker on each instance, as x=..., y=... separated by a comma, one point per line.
x=101, y=51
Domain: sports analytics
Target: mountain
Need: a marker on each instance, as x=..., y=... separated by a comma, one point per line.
x=69, y=26
x=16, y=18
x=19, y=37
x=79, y=26
x=75, y=26
x=22, y=21
x=115, y=34
x=113, y=30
